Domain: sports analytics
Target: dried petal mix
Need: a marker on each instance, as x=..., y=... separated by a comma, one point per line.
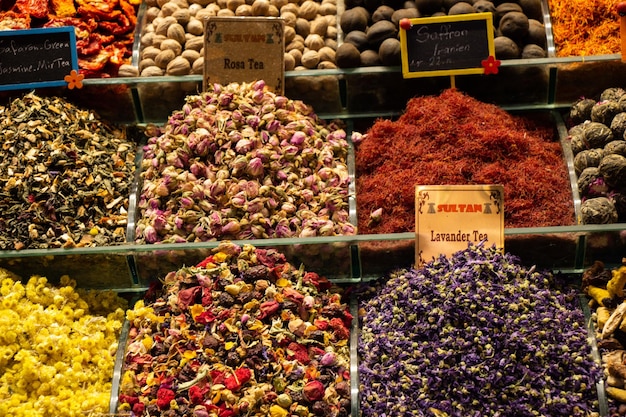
x=475, y=334
x=243, y=333
x=65, y=176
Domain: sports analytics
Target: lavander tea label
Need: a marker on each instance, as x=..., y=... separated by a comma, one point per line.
x=448, y=217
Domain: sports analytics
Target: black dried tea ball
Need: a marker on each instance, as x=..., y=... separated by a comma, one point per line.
x=604, y=112
x=599, y=210
x=577, y=143
x=615, y=146
x=619, y=201
x=613, y=169
x=618, y=125
x=597, y=134
x=581, y=110
x=587, y=158
x=612, y=94
x=591, y=184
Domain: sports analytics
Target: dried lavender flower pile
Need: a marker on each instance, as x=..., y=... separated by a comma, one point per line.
x=241, y=162
x=474, y=334
x=65, y=176
x=243, y=333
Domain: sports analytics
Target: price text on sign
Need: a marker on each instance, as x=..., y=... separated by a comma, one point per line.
x=449, y=217
x=36, y=58
x=238, y=49
x=447, y=45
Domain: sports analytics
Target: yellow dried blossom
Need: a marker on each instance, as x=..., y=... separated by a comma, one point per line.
x=55, y=347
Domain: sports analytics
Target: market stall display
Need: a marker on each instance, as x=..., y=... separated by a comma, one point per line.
x=243, y=333
x=474, y=334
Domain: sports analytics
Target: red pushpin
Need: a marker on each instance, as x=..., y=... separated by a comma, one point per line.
x=621, y=11
x=406, y=23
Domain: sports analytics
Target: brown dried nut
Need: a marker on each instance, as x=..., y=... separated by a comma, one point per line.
x=326, y=65
x=190, y=55
x=536, y=33
x=289, y=33
x=504, y=8
x=163, y=24
x=328, y=9
x=150, y=52
x=178, y=66
x=369, y=58
x=152, y=71
x=168, y=9
x=331, y=32
x=145, y=63
x=157, y=40
x=182, y=16
x=260, y=8
x=310, y=59
x=380, y=31
x=195, y=26
x=198, y=66
x=225, y=12
x=233, y=4
x=278, y=3
x=533, y=51
x=290, y=7
x=289, y=62
x=514, y=25
x=127, y=70
x=382, y=13
x=390, y=52
x=319, y=26
x=309, y=9
x=273, y=11
x=183, y=4
x=461, y=8
x=326, y=54
x=195, y=43
x=204, y=14
x=358, y=38
x=314, y=42
x=194, y=8
x=164, y=58
x=147, y=38
x=176, y=32
x=303, y=27
x=347, y=56
x=289, y=18
x=172, y=45
x=354, y=19
x=151, y=3
x=331, y=43
x=295, y=44
x=297, y=56
x=152, y=13
x=408, y=13
x=244, y=10
x=506, y=48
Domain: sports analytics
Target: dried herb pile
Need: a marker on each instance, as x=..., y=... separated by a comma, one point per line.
x=243, y=333
x=65, y=176
x=474, y=334
x=585, y=27
x=605, y=288
x=455, y=139
x=241, y=162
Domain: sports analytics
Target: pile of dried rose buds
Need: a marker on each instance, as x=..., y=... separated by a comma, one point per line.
x=241, y=162
x=243, y=333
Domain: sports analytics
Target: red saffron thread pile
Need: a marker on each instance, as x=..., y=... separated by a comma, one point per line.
x=453, y=139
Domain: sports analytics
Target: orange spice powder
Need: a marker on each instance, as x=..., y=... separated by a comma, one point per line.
x=585, y=27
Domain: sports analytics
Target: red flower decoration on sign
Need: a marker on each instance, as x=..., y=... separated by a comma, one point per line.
x=74, y=80
x=491, y=65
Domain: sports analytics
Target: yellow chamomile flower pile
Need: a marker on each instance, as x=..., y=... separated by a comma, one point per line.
x=57, y=347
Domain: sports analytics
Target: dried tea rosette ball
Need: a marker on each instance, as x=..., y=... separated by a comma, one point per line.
x=243, y=333
x=598, y=210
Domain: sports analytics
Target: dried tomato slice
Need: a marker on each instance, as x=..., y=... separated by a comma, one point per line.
x=12, y=20
x=35, y=8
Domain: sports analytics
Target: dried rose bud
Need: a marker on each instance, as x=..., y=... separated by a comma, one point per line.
x=328, y=358
x=313, y=391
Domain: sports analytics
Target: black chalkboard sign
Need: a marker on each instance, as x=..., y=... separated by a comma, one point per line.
x=446, y=45
x=34, y=58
